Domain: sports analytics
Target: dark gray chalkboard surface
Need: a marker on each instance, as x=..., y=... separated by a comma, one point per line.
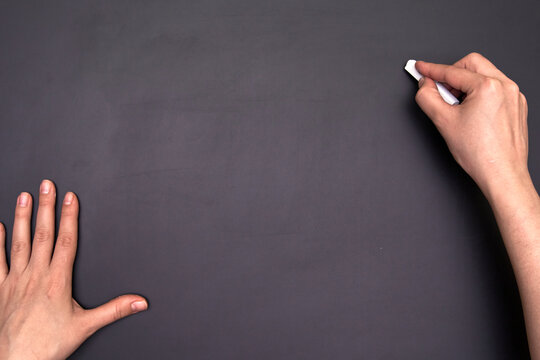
x=260, y=171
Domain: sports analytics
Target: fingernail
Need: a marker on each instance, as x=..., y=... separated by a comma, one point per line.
x=45, y=187
x=139, y=306
x=68, y=199
x=23, y=200
x=421, y=82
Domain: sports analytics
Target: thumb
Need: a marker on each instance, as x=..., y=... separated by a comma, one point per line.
x=430, y=101
x=115, y=310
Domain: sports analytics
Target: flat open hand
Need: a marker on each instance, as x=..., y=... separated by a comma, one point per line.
x=39, y=319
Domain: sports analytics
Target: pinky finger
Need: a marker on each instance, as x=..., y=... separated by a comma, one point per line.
x=3, y=263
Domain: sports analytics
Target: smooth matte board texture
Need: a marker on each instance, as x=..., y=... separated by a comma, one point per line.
x=260, y=171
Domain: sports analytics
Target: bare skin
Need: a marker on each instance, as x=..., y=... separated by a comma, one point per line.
x=487, y=135
x=39, y=319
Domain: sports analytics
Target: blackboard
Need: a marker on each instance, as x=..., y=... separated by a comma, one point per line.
x=259, y=171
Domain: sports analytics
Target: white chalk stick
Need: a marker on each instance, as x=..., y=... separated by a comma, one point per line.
x=445, y=93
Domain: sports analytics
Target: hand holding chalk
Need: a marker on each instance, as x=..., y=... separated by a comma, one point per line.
x=487, y=132
x=487, y=135
x=445, y=94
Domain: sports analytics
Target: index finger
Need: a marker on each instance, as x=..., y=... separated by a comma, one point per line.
x=458, y=78
x=475, y=62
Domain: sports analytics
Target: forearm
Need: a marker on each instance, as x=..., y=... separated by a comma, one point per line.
x=516, y=206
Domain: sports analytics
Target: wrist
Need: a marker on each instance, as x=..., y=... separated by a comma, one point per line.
x=513, y=195
x=514, y=185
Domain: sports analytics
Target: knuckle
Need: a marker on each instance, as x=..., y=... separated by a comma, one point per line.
x=69, y=211
x=523, y=98
x=18, y=247
x=46, y=200
x=118, y=313
x=491, y=85
x=22, y=213
x=474, y=56
x=524, y=102
x=66, y=239
x=42, y=235
x=513, y=87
